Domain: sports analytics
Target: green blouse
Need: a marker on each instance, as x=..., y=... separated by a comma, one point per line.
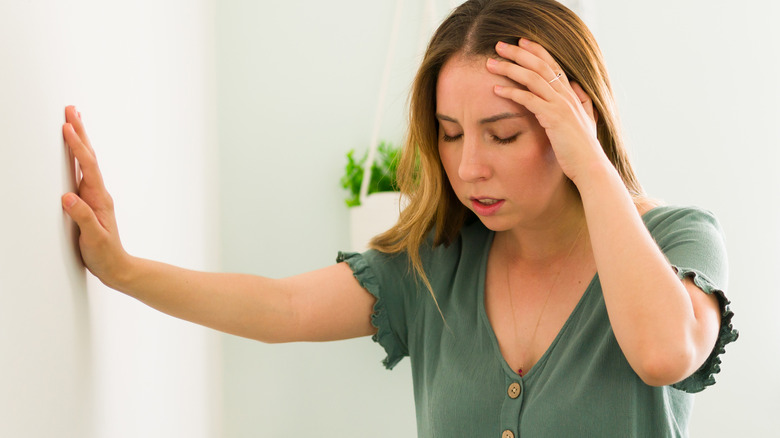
x=582, y=386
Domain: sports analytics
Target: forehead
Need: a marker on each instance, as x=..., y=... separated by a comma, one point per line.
x=465, y=88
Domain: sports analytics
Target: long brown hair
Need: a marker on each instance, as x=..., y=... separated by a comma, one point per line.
x=474, y=28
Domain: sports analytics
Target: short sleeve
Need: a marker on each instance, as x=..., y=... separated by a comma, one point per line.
x=693, y=242
x=383, y=276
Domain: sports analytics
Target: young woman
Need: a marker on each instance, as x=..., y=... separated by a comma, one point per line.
x=536, y=289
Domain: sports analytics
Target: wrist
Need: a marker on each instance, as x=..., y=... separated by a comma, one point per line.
x=123, y=273
x=593, y=177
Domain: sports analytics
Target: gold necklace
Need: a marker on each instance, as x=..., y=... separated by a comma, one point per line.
x=549, y=293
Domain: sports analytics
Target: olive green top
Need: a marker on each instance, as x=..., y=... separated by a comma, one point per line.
x=582, y=386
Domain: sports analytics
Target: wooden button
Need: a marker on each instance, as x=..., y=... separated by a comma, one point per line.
x=507, y=434
x=514, y=390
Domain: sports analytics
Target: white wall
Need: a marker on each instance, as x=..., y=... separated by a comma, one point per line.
x=297, y=85
x=79, y=360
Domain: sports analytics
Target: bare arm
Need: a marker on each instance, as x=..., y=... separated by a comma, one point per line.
x=665, y=327
x=326, y=304
x=322, y=305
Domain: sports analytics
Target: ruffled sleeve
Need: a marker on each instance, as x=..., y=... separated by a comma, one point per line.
x=693, y=242
x=388, y=312
x=704, y=376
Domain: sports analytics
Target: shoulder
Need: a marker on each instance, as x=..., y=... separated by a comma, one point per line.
x=667, y=219
x=690, y=237
x=439, y=262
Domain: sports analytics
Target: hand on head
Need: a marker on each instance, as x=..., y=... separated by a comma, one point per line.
x=561, y=106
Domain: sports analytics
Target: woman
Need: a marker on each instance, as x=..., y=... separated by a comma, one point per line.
x=536, y=289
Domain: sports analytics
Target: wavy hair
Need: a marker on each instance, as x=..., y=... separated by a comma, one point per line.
x=473, y=29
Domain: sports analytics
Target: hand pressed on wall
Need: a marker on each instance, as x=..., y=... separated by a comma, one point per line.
x=92, y=207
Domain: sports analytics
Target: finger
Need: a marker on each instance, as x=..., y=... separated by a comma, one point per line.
x=526, y=78
x=74, y=118
x=82, y=214
x=87, y=161
x=562, y=84
x=585, y=101
x=527, y=59
x=551, y=78
x=540, y=52
x=527, y=99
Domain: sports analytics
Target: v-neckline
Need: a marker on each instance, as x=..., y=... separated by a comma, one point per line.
x=489, y=327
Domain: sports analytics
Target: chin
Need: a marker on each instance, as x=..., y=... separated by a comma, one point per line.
x=494, y=224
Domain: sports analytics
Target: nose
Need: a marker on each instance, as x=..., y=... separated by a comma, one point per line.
x=474, y=165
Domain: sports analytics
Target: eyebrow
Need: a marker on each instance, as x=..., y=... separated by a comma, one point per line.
x=491, y=119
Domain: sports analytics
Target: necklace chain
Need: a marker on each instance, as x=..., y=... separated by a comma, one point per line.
x=549, y=293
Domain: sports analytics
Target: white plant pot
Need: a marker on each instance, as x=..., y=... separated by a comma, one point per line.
x=377, y=213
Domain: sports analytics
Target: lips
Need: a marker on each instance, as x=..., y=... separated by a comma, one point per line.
x=485, y=206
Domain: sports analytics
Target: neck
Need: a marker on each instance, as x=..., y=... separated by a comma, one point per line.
x=546, y=242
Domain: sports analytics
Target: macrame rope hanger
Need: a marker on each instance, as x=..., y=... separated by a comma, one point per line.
x=429, y=20
x=380, y=106
x=429, y=8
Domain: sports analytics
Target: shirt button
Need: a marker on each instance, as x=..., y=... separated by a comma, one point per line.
x=514, y=390
x=507, y=434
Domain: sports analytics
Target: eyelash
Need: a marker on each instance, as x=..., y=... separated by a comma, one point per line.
x=498, y=140
x=505, y=140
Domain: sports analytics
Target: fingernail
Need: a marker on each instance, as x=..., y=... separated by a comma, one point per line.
x=79, y=114
x=492, y=62
x=523, y=42
x=501, y=45
x=70, y=201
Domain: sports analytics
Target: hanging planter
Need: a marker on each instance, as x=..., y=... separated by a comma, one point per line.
x=380, y=204
x=377, y=213
x=375, y=203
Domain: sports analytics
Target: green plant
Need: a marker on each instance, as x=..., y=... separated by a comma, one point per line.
x=383, y=178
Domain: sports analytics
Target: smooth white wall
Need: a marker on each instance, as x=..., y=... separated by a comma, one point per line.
x=78, y=359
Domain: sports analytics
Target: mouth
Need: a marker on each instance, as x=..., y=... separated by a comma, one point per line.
x=485, y=206
x=486, y=201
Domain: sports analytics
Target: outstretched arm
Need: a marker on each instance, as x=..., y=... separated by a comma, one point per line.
x=322, y=305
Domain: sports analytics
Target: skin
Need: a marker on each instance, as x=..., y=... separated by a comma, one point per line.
x=665, y=327
x=494, y=148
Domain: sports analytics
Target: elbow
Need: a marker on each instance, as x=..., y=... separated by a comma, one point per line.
x=667, y=366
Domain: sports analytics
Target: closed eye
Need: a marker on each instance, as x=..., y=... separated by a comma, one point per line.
x=447, y=138
x=507, y=140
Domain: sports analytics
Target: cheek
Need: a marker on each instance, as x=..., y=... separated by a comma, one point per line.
x=549, y=158
x=543, y=151
x=534, y=172
x=450, y=161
